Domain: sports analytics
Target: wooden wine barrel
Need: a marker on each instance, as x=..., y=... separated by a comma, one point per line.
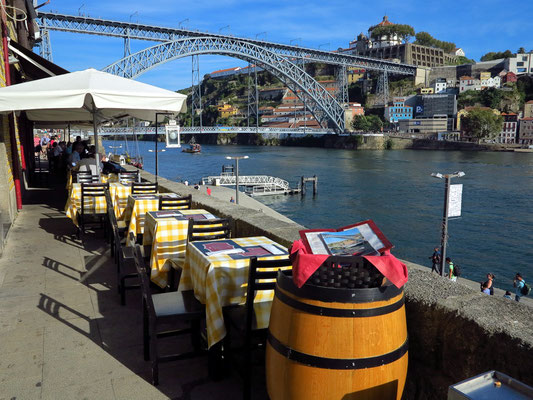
x=328, y=343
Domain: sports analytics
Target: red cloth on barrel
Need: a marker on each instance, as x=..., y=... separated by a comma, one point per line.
x=304, y=264
x=392, y=268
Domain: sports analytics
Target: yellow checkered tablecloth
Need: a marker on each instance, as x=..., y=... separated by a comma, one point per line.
x=119, y=195
x=136, y=209
x=168, y=238
x=219, y=281
x=92, y=205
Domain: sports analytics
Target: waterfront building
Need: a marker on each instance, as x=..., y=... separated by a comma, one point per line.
x=431, y=105
x=398, y=110
x=424, y=125
x=509, y=129
x=227, y=110
x=525, y=133
x=439, y=85
x=528, y=109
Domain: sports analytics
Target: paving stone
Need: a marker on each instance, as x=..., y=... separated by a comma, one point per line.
x=21, y=388
x=135, y=387
x=86, y=390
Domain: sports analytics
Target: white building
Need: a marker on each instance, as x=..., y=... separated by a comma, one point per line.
x=458, y=52
x=521, y=64
x=468, y=83
x=439, y=85
x=509, y=129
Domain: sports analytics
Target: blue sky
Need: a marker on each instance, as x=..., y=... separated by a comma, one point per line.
x=478, y=26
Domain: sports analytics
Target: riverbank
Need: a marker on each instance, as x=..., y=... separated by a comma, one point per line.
x=346, y=142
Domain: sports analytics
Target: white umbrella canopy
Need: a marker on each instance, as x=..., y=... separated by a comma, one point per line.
x=89, y=96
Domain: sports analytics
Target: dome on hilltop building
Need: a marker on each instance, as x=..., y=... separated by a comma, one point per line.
x=361, y=36
x=385, y=22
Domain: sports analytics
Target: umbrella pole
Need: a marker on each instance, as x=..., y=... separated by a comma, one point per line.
x=95, y=128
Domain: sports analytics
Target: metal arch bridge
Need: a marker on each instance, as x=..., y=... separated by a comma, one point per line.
x=129, y=30
x=322, y=103
x=279, y=59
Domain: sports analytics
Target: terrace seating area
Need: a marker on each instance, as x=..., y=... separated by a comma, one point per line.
x=64, y=332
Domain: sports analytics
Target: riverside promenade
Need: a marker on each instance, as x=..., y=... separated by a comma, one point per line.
x=63, y=332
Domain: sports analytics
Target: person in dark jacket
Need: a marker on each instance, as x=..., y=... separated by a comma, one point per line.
x=435, y=259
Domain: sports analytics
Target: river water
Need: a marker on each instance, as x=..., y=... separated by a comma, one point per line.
x=394, y=188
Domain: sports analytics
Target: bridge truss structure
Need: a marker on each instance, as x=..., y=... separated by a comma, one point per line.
x=285, y=61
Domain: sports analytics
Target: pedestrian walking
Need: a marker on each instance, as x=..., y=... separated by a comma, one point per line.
x=208, y=191
x=451, y=270
x=435, y=260
x=519, y=284
x=232, y=200
x=489, y=282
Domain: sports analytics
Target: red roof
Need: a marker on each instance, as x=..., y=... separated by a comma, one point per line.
x=527, y=119
x=226, y=70
x=529, y=102
x=464, y=78
x=385, y=22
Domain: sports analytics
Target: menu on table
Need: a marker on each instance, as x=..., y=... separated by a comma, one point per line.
x=237, y=252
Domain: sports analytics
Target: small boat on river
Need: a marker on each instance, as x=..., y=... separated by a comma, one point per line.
x=193, y=148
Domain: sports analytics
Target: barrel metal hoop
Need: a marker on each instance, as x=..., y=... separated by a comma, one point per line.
x=337, y=363
x=338, y=312
x=338, y=295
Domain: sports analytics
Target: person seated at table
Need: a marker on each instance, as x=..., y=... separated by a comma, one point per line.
x=88, y=163
x=75, y=157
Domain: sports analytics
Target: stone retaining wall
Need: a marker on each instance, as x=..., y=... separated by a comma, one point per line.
x=455, y=332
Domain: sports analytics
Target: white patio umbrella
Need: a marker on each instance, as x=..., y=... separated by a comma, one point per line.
x=89, y=96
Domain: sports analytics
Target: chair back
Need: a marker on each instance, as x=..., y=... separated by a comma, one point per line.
x=175, y=203
x=140, y=265
x=86, y=177
x=92, y=191
x=112, y=218
x=209, y=229
x=143, y=188
x=128, y=177
x=261, y=277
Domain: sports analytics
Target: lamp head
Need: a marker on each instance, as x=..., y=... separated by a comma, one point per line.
x=437, y=175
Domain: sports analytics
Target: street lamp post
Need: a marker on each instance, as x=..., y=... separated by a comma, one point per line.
x=444, y=236
x=156, y=137
x=237, y=158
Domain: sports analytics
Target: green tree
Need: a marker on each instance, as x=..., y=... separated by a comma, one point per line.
x=425, y=39
x=496, y=55
x=360, y=123
x=404, y=32
x=521, y=50
x=376, y=124
x=481, y=124
x=491, y=97
x=469, y=98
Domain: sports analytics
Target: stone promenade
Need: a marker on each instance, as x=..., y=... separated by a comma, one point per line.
x=63, y=332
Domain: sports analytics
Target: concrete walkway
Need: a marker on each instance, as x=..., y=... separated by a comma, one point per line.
x=63, y=333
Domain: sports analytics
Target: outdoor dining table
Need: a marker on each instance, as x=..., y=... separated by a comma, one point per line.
x=217, y=271
x=166, y=232
x=136, y=209
x=94, y=205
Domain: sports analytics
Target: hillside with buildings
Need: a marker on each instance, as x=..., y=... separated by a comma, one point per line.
x=445, y=89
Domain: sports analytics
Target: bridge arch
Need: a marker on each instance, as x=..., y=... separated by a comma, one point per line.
x=321, y=103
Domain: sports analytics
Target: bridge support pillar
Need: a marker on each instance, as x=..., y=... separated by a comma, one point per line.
x=46, y=45
x=196, y=96
x=253, y=95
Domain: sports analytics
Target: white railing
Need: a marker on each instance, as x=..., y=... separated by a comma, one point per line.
x=270, y=182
